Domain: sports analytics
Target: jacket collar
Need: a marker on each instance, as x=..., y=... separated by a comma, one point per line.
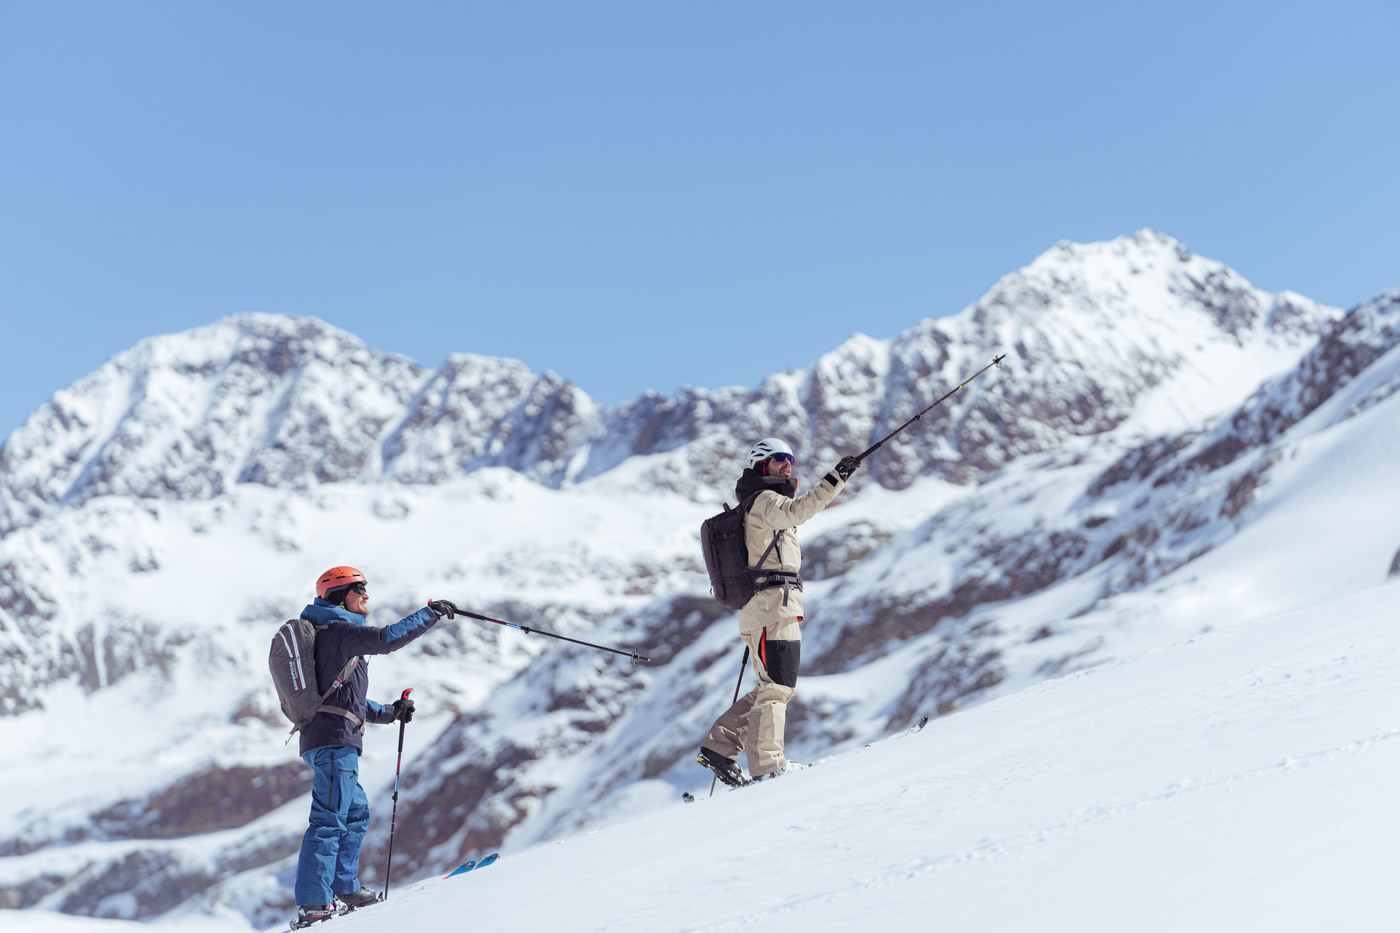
x=750, y=482
x=322, y=612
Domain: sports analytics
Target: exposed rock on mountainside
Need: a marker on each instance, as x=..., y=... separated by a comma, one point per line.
x=207, y=801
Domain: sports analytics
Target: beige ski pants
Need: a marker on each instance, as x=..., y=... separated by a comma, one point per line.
x=755, y=723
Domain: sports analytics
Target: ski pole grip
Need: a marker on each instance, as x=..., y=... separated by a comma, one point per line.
x=404, y=695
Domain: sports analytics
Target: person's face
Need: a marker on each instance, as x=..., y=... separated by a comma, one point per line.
x=357, y=600
x=780, y=465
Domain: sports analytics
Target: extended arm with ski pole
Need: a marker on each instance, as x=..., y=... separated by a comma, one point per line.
x=996, y=361
x=534, y=631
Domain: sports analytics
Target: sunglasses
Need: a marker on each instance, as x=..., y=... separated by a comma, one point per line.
x=359, y=588
x=782, y=458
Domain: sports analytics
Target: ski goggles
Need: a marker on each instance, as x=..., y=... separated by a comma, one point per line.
x=782, y=458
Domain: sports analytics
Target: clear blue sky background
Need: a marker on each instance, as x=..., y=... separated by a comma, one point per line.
x=647, y=194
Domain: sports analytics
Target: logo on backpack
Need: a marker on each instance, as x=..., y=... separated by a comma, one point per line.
x=292, y=662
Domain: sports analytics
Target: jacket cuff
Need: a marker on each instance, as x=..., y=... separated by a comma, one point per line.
x=378, y=713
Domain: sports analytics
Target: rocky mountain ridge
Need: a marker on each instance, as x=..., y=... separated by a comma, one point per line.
x=294, y=403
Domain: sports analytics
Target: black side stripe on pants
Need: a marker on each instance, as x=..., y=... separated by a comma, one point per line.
x=781, y=658
x=330, y=791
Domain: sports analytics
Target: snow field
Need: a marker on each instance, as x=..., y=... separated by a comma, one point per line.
x=1238, y=780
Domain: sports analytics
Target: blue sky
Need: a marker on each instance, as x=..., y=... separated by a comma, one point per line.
x=644, y=195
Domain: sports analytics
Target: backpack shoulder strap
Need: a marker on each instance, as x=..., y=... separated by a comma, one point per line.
x=340, y=676
x=777, y=536
x=744, y=507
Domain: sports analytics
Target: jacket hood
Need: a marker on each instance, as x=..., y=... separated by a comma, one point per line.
x=750, y=482
x=322, y=612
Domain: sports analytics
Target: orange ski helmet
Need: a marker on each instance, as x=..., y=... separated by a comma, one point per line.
x=337, y=577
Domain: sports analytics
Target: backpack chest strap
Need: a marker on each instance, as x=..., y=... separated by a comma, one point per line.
x=771, y=579
x=356, y=720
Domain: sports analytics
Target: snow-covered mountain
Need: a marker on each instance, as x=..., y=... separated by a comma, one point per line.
x=161, y=516
x=1098, y=334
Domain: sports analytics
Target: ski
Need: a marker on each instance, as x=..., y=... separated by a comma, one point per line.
x=687, y=797
x=916, y=727
x=470, y=864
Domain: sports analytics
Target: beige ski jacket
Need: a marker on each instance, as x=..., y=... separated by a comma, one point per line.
x=774, y=513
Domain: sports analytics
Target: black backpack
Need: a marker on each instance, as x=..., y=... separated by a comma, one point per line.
x=727, y=557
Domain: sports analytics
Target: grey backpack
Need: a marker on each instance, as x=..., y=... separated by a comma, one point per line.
x=292, y=662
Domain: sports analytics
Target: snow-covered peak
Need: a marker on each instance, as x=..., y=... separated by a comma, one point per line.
x=1077, y=286
x=1136, y=332
x=255, y=398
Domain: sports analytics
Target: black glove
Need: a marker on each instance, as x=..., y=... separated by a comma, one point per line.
x=443, y=607
x=847, y=466
x=403, y=709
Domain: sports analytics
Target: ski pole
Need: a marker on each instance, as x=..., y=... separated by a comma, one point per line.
x=742, y=664
x=395, y=817
x=534, y=631
x=996, y=361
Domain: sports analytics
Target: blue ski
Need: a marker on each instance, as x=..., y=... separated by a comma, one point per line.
x=469, y=865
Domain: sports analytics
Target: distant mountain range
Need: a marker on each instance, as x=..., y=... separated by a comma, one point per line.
x=159, y=517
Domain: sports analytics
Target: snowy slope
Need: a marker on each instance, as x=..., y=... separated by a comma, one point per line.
x=1240, y=779
x=1144, y=469
x=1237, y=779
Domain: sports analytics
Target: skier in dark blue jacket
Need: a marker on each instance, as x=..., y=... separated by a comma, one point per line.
x=328, y=870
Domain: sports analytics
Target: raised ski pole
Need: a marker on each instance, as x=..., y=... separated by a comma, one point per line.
x=742, y=664
x=996, y=361
x=534, y=631
x=395, y=817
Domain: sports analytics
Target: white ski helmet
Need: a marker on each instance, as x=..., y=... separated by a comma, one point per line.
x=767, y=448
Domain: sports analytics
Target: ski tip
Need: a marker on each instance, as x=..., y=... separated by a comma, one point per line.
x=489, y=860
x=923, y=721
x=461, y=869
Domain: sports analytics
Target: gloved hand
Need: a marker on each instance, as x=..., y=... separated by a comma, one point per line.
x=403, y=709
x=846, y=467
x=443, y=607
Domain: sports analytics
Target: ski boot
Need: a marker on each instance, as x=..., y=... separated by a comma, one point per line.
x=308, y=914
x=356, y=899
x=726, y=770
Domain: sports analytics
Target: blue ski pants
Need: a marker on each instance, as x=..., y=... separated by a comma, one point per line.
x=330, y=849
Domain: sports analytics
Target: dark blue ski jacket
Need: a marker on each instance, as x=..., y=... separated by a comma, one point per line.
x=347, y=636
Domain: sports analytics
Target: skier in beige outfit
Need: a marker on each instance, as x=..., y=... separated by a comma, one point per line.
x=770, y=622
